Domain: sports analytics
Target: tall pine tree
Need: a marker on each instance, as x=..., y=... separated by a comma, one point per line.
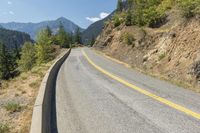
x=92, y=41
x=7, y=64
x=120, y=6
x=78, y=36
x=48, y=31
x=63, y=37
x=44, y=48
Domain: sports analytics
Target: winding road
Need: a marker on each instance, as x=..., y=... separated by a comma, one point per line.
x=97, y=95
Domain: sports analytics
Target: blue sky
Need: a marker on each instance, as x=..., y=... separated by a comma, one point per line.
x=82, y=12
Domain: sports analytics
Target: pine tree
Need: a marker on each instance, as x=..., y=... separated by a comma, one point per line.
x=28, y=58
x=6, y=62
x=16, y=52
x=92, y=41
x=78, y=36
x=120, y=6
x=128, y=20
x=44, y=47
x=63, y=37
x=71, y=38
x=130, y=4
x=49, y=31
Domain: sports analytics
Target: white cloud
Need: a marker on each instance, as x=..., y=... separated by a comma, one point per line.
x=11, y=13
x=102, y=15
x=93, y=19
x=9, y=3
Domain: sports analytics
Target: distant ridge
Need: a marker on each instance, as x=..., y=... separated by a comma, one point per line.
x=94, y=29
x=33, y=28
x=13, y=39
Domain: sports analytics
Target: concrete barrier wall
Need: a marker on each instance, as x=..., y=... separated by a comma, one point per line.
x=44, y=112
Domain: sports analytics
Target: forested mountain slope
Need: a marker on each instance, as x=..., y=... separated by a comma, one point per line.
x=13, y=39
x=94, y=29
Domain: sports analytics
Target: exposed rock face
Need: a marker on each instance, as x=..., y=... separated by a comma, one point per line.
x=169, y=51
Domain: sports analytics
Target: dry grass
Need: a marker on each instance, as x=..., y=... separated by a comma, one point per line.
x=13, y=107
x=23, y=91
x=4, y=128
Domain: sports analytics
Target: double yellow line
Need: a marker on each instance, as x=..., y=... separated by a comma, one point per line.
x=149, y=94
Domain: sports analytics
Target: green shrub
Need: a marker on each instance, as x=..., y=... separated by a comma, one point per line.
x=4, y=128
x=148, y=16
x=34, y=84
x=165, y=5
x=147, y=12
x=195, y=70
x=189, y=8
x=28, y=58
x=127, y=38
x=128, y=20
x=116, y=20
x=161, y=56
x=12, y=107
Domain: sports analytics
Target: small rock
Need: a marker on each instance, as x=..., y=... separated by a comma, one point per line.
x=173, y=34
x=145, y=58
x=153, y=51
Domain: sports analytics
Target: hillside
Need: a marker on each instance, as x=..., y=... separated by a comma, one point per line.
x=13, y=38
x=94, y=29
x=33, y=28
x=165, y=45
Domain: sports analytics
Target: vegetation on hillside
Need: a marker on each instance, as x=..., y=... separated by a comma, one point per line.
x=152, y=13
x=12, y=61
x=77, y=36
x=28, y=57
x=7, y=62
x=44, y=47
x=190, y=8
x=127, y=38
x=13, y=39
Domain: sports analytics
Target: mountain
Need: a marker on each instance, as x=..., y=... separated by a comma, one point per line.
x=13, y=39
x=33, y=28
x=94, y=29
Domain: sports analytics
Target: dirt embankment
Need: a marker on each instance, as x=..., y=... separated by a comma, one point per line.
x=171, y=51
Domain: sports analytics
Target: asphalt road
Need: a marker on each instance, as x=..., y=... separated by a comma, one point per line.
x=89, y=101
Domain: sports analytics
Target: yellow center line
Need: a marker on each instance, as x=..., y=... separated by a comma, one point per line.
x=147, y=93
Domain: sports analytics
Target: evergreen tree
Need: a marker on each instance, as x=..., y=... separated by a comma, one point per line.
x=120, y=6
x=128, y=21
x=44, y=47
x=6, y=62
x=130, y=4
x=16, y=52
x=63, y=37
x=78, y=36
x=92, y=41
x=71, y=38
x=49, y=31
x=28, y=58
